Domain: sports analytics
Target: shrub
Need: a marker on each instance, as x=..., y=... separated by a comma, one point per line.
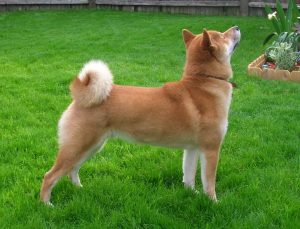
x=284, y=55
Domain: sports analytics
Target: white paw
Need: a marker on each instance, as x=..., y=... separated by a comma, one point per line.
x=189, y=185
x=196, y=192
x=79, y=185
x=49, y=204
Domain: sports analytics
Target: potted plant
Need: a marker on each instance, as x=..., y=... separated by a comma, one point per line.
x=280, y=60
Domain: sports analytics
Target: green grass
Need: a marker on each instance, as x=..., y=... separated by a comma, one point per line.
x=137, y=186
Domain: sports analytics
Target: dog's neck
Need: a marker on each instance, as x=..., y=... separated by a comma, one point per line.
x=204, y=76
x=220, y=78
x=216, y=71
x=219, y=71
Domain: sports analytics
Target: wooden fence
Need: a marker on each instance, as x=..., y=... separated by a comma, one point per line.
x=205, y=7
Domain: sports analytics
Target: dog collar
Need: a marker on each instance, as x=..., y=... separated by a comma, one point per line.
x=219, y=78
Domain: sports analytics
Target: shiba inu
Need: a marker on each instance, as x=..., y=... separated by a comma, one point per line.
x=191, y=113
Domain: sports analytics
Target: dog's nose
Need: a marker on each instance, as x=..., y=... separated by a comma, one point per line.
x=236, y=28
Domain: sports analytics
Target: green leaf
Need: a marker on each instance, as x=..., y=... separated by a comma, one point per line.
x=276, y=25
x=274, y=21
x=268, y=38
x=282, y=37
x=281, y=16
x=295, y=12
x=289, y=16
x=268, y=9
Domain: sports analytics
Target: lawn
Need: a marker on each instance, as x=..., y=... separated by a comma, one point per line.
x=139, y=186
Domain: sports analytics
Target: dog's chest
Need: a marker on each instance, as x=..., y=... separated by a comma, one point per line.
x=213, y=103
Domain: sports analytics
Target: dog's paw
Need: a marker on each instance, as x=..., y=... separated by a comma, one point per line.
x=213, y=198
x=78, y=185
x=196, y=192
x=49, y=204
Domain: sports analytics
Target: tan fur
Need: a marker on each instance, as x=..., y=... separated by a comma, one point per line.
x=189, y=114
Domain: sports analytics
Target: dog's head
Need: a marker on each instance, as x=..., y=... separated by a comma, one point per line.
x=210, y=51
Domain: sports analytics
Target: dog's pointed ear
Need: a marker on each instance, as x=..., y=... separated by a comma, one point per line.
x=206, y=41
x=187, y=36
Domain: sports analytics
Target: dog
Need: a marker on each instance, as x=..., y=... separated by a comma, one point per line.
x=191, y=113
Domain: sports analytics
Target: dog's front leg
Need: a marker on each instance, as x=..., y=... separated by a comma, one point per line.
x=209, y=162
x=189, y=167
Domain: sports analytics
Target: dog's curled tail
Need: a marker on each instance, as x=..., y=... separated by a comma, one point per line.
x=93, y=84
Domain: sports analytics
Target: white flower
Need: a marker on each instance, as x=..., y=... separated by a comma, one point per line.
x=270, y=16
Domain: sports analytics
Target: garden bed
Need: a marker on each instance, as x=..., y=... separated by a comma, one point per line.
x=255, y=68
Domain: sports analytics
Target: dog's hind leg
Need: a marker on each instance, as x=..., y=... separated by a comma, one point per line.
x=189, y=167
x=74, y=176
x=69, y=160
x=50, y=179
x=66, y=162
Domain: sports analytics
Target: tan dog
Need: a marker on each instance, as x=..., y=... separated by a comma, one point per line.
x=190, y=113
